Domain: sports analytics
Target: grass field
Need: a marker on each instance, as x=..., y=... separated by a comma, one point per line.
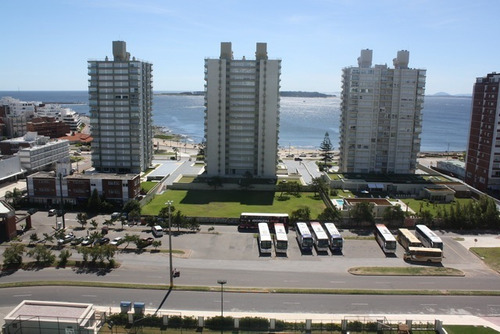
x=455, y=329
x=415, y=204
x=231, y=204
x=490, y=256
x=406, y=271
x=148, y=185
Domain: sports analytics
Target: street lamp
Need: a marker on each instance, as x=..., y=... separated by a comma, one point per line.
x=221, y=282
x=61, y=202
x=169, y=203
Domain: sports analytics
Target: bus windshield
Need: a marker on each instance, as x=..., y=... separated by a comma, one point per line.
x=281, y=244
x=391, y=244
x=337, y=243
x=265, y=244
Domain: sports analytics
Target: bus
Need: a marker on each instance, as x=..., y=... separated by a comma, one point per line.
x=407, y=239
x=335, y=238
x=304, y=237
x=265, y=241
x=427, y=237
x=281, y=239
x=250, y=220
x=423, y=254
x=385, y=238
x=319, y=237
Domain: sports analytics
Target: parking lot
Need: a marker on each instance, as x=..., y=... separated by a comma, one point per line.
x=226, y=242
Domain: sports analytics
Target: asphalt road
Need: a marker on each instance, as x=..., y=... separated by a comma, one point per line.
x=177, y=301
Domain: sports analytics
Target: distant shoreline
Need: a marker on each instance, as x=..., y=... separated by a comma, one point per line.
x=283, y=94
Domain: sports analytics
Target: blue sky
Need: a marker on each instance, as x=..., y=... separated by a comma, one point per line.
x=46, y=44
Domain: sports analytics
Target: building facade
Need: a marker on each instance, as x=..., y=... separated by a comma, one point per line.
x=121, y=100
x=482, y=169
x=46, y=187
x=381, y=119
x=242, y=114
x=36, y=152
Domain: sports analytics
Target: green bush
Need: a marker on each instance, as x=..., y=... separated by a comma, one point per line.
x=216, y=323
x=254, y=324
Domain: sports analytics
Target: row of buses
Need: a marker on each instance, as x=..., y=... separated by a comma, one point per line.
x=322, y=238
x=424, y=246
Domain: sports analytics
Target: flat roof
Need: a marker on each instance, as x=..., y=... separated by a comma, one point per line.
x=79, y=176
x=29, y=309
x=377, y=201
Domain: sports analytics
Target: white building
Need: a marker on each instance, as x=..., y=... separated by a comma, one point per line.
x=66, y=115
x=381, y=119
x=32, y=316
x=120, y=100
x=17, y=115
x=242, y=114
x=37, y=152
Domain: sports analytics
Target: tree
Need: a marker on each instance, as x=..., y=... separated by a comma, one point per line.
x=283, y=187
x=326, y=148
x=33, y=238
x=134, y=238
x=47, y=238
x=14, y=196
x=215, y=181
x=82, y=217
x=13, y=255
x=330, y=215
x=132, y=205
x=394, y=214
x=94, y=223
x=301, y=214
x=319, y=185
x=108, y=222
x=64, y=255
x=156, y=244
x=362, y=212
x=94, y=203
x=42, y=254
x=134, y=215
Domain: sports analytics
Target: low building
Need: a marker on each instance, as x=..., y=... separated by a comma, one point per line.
x=8, y=221
x=40, y=317
x=453, y=167
x=438, y=194
x=36, y=152
x=45, y=187
x=48, y=126
x=379, y=204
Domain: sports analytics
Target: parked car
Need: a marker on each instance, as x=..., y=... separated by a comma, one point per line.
x=144, y=242
x=115, y=215
x=116, y=241
x=101, y=241
x=298, y=159
x=67, y=238
x=77, y=241
x=86, y=241
x=52, y=212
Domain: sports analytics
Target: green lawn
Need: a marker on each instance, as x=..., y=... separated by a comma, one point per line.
x=228, y=203
x=456, y=329
x=415, y=204
x=148, y=185
x=490, y=256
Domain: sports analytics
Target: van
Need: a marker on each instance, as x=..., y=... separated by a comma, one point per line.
x=157, y=231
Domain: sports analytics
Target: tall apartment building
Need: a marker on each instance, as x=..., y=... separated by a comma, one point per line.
x=242, y=114
x=381, y=117
x=482, y=168
x=121, y=100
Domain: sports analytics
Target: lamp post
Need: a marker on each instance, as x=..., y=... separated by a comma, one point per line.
x=61, y=204
x=221, y=282
x=169, y=203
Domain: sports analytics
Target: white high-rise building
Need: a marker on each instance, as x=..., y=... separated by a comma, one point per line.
x=381, y=118
x=242, y=114
x=121, y=100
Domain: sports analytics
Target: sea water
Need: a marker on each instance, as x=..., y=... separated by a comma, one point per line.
x=303, y=121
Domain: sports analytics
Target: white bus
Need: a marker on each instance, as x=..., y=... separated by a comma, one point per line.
x=427, y=237
x=319, y=237
x=407, y=239
x=423, y=254
x=385, y=238
x=335, y=238
x=304, y=237
x=281, y=239
x=265, y=241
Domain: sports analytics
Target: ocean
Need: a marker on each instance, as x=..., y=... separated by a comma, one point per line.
x=303, y=121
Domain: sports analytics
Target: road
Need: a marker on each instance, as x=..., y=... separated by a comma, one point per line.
x=179, y=301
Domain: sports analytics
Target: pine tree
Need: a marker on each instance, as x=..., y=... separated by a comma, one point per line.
x=326, y=148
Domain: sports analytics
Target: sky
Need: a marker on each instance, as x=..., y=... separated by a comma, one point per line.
x=45, y=45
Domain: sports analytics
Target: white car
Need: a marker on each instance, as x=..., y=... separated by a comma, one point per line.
x=116, y=241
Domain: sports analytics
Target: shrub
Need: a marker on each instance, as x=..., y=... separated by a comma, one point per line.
x=254, y=324
x=217, y=323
